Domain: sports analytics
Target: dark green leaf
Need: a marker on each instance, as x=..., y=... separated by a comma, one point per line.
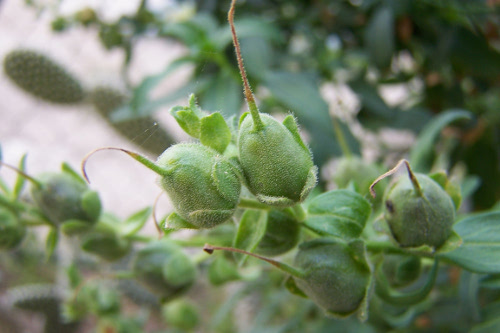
x=258, y=56
x=480, y=251
x=340, y=213
x=251, y=229
x=379, y=37
x=91, y=204
x=423, y=151
x=135, y=222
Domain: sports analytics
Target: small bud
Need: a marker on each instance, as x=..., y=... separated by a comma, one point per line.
x=181, y=314
x=61, y=197
x=11, y=231
x=164, y=269
x=277, y=165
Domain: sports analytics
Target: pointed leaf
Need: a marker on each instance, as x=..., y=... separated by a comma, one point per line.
x=20, y=180
x=51, y=242
x=340, y=213
x=91, y=204
x=214, y=132
x=175, y=222
x=68, y=169
x=422, y=152
x=379, y=37
x=75, y=227
x=292, y=287
x=223, y=94
x=187, y=119
x=251, y=229
x=135, y=222
x=480, y=251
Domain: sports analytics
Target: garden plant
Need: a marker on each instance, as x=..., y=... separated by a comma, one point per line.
x=280, y=221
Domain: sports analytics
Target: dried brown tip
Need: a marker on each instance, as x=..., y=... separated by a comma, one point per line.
x=391, y=172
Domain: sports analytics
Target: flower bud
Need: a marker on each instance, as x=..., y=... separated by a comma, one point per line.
x=62, y=197
x=164, y=269
x=203, y=185
x=282, y=234
x=181, y=314
x=11, y=231
x=357, y=170
x=277, y=165
x=335, y=276
x=417, y=219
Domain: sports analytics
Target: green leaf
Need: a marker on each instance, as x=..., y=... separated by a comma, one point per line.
x=422, y=152
x=487, y=327
x=379, y=37
x=135, y=222
x=340, y=213
x=251, y=229
x=175, y=222
x=300, y=95
x=480, y=251
x=51, y=242
x=291, y=286
x=214, y=132
x=223, y=94
x=245, y=28
x=20, y=180
x=188, y=117
x=221, y=271
x=68, y=169
x=91, y=204
x=258, y=56
x=75, y=227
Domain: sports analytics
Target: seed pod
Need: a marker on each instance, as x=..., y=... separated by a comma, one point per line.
x=418, y=210
x=277, y=165
x=282, y=234
x=164, y=269
x=62, y=197
x=144, y=130
x=335, y=276
x=203, y=185
x=181, y=314
x=11, y=231
x=40, y=76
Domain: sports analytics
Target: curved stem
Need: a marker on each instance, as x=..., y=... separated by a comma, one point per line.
x=254, y=111
x=252, y=204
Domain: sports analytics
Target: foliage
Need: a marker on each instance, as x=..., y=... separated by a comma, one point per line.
x=414, y=258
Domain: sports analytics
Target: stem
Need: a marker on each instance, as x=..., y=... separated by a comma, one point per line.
x=139, y=158
x=284, y=267
x=413, y=179
x=252, y=204
x=254, y=111
x=300, y=213
x=388, y=247
x=35, y=182
x=339, y=134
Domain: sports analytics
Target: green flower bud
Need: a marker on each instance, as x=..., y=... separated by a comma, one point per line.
x=357, y=170
x=106, y=245
x=164, y=269
x=40, y=76
x=62, y=197
x=422, y=217
x=277, y=165
x=11, y=231
x=181, y=314
x=203, y=185
x=282, y=234
x=334, y=275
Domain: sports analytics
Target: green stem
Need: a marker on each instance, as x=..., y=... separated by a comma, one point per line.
x=339, y=134
x=35, y=182
x=300, y=213
x=252, y=204
x=388, y=247
x=282, y=266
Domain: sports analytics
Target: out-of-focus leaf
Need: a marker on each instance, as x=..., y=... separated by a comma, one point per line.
x=221, y=270
x=423, y=152
x=247, y=27
x=223, y=94
x=480, y=251
x=20, y=180
x=135, y=222
x=51, y=242
x=379, y=37
x=258, y=56
x=298, y=93
x=250, y=231
x=340, y=213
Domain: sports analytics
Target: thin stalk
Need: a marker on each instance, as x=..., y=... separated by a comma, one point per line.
x=252, y=105
x=339, y=134
x=139, y=158
x=22, y=173
x=284, y=267
x=252, y=204
x=413, y=179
